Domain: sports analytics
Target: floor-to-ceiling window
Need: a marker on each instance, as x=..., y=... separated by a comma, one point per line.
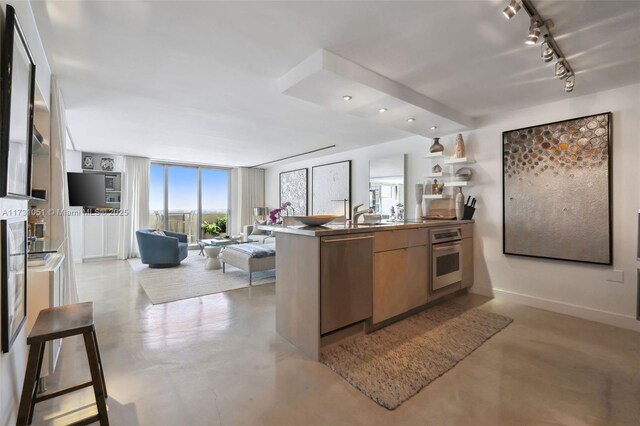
x=181, y=197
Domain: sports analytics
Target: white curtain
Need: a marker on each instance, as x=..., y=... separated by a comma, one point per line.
x=247, y=192
x=135, y=204
x=59, y=197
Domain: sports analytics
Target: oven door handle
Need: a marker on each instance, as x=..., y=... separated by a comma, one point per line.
x=442, y=248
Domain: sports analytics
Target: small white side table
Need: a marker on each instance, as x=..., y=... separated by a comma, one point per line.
x=212, y=258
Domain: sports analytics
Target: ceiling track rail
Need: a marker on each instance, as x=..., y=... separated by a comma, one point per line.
x=292, y=156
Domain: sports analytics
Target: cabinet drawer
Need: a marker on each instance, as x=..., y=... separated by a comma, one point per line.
x=393, y=240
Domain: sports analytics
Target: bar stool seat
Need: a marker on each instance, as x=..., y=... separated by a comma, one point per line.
x=56, y=323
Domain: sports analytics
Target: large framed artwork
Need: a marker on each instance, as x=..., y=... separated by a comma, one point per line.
x=331, y=189
x=17, y=86
x=555, y=177
x=293, y=188
x=13, y=252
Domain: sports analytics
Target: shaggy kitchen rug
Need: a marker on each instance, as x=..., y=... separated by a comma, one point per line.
x=190, y=279
x=394, y=363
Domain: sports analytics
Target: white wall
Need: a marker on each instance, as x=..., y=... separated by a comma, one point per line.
x=13, y=364
x=576, y=289
x=416, y=147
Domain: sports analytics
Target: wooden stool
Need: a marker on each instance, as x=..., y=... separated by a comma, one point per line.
x=56, y=323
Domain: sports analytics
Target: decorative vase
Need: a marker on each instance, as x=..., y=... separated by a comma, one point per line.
x=419, y=194
x=437, y=146
x=459, y=148
x=436, y=168
x=459, y=204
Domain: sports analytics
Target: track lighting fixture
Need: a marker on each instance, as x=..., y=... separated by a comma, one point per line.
x=570, y=83
x=549, y=49
x=512, y=8
x=534, y=33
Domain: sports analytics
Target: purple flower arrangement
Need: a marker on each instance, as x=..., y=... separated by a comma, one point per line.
x=273, y=214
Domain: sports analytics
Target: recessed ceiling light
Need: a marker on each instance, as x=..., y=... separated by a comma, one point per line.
x=434, y=127
x=382, y=110
x=410, y=120
x=346, y=98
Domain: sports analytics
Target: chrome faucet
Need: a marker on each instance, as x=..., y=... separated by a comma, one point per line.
x=357, y=214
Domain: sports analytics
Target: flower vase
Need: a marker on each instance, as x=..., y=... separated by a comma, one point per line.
x=419, y=192
x=459, y=204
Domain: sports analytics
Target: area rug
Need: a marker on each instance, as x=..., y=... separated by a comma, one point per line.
x=394, y=363
x=190, y=279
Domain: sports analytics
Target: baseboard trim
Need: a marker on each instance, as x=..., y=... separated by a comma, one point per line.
x=611, y=318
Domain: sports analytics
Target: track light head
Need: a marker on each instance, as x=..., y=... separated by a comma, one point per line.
x=512, y=8
x=570, y=83
x=534, y=33
x=546, y=52
x=561, y=69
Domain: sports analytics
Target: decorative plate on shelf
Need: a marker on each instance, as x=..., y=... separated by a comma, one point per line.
x=107, y=164
x=317, y=220
x=87, y=162
x=463, y=174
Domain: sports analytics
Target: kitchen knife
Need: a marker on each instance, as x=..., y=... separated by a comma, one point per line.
x=468, y=199
x=473, y=203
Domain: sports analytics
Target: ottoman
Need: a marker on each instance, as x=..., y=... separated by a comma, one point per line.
x=249, y=257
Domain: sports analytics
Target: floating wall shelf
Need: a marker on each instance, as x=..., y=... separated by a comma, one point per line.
x=436, y=196
x=434, y=155
x=457, y=183
x=463, y=160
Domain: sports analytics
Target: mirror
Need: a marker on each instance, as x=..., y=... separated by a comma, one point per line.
x=387, y=185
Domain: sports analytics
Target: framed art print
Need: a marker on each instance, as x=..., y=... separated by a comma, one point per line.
x=13, y=253
x=331, y=189
x=17, y=85
x=293, y=188
x=554, y=176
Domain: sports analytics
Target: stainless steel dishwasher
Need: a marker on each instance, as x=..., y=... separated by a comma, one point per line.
x=346, y=280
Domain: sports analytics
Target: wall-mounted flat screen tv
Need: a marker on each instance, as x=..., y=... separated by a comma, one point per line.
x=86, y=189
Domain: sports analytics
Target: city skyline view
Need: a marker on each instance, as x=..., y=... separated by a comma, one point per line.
x=183, y=189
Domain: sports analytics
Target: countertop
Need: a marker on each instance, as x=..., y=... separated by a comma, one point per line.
x=338, y=229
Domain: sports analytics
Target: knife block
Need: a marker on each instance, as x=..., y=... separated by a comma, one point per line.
x=468, y=212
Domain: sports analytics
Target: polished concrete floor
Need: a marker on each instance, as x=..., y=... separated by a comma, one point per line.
x=216, y=360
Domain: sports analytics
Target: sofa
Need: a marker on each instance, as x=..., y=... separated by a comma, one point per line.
x=162, y=249
x=262, y=238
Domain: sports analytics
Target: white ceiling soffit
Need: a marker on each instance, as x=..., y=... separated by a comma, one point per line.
x=324, y=78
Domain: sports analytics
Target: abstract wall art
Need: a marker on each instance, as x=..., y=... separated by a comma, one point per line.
x=293, y=188
x=557, y=190
x=331, y=191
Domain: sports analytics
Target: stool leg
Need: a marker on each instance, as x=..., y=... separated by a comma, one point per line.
x=43, y=345
x=96, y=379
x=30, y=379
x=104, y=383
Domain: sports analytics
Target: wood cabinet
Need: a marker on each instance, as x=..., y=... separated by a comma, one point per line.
x=46, y=289
x=467, y=261
x=401, y=275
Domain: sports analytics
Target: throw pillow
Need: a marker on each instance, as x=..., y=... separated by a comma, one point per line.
x=159, y=232
x=256, y=231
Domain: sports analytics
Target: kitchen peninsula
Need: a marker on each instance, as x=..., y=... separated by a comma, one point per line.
x=340, y=280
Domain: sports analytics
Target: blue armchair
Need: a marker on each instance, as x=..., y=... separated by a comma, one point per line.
x=162, y=251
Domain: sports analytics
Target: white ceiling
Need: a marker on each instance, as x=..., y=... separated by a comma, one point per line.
x=197, y=81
